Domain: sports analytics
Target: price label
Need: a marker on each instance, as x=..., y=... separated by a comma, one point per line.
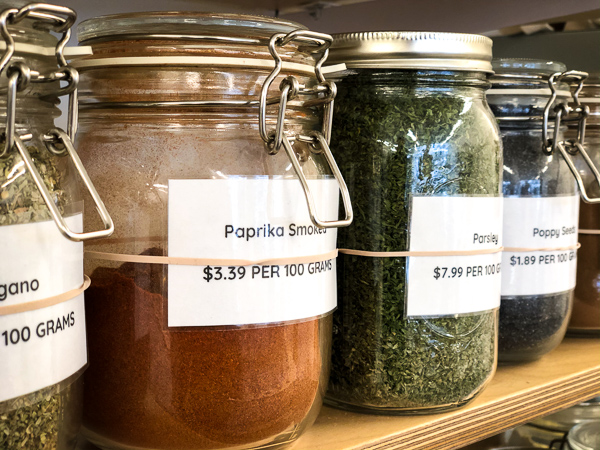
x=233, y=273
x=469, y=271
x=445, y=285
x=38, y=262
x=42, y=347
x=538, y=273
x=218, y=273
x=249, y=219
x=539, y=223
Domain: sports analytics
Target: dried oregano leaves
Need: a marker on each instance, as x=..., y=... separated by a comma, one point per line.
x=20, y=199
x=390, y=136
x=33, y=423
x=30, y=421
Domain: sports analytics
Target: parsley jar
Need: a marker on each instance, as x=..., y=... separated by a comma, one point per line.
x=418, y=271
x=42, y=322
x=209, y=314
x=585, y=317
x=541, y=205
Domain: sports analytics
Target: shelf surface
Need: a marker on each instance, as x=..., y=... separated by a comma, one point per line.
x=517, y=394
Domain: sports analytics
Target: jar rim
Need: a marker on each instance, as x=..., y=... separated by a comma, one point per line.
x=583, y=435
x=175, y=24
x=527, y=66
x=526, y=76
x=413, y=50
x=30, y=36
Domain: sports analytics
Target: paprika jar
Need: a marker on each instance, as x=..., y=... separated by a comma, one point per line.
x=42, y=321
x=541, y=206
x=418, y=272
x=209, y=314
x=585, y=317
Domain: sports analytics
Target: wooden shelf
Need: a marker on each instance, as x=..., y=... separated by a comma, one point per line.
x=516, y=395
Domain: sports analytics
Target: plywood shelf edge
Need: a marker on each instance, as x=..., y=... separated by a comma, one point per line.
x=517, y=394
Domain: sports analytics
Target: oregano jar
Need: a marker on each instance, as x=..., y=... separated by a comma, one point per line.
x=42, y=321
x=541, y=207
x=210, y=310
x=418, y=271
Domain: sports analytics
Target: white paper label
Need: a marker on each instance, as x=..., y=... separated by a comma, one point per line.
x=42, y=347
x=250, y=219
x=549, y=222
x=446, y=285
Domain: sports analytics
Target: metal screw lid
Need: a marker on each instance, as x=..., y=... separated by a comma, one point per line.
x=413, y=50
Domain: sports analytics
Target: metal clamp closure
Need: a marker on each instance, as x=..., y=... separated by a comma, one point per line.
x=59, y=143
x=318, y=144
x=565, y=113
x=59, y=136
x=290, y=89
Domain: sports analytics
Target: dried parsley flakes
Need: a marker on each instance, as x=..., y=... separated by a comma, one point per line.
x=398, y=133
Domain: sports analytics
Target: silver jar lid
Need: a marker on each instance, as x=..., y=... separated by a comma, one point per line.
x=413, y=50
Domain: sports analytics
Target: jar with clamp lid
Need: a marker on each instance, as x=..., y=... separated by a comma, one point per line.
x=42, y=321
x=418, y=278
x=540, y=211
x=210, y=309
x=585, y=318
x=541, y=204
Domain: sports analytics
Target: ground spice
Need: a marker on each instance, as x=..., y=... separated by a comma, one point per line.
x=149, y=386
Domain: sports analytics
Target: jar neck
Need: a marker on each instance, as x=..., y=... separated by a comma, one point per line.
x=32, y=113
x=178, y=84
x=220, y=119
x=472, y=84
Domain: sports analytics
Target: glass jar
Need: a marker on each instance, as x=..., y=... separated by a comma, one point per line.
x=585, y=436
x=418, y=272
x=42, y=321
x=540, y=213
x=586, y=306
x=209, y=315
x=542, y=432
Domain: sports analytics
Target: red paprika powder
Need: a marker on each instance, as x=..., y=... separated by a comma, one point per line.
x=148, y=386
